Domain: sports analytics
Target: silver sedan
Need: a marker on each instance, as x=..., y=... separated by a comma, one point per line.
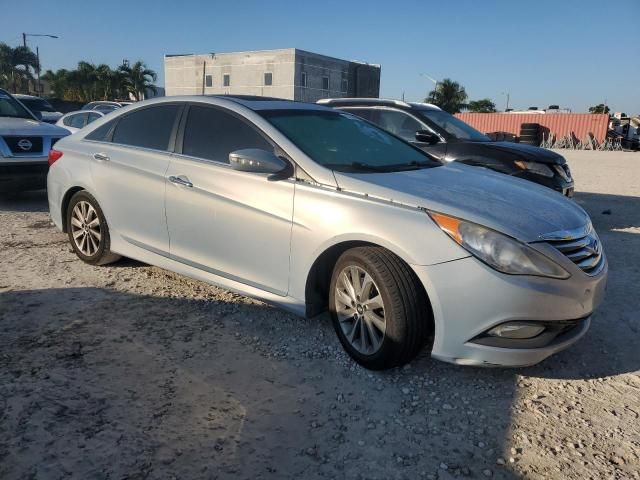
x=316, y=210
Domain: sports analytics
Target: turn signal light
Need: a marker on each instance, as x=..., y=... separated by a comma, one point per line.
x=53, y=156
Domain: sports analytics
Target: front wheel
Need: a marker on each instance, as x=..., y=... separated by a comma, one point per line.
x=379, y=310
x=88, y=230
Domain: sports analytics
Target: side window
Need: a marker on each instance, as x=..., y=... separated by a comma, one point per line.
x=398, y=123
x=78, y=121
x=325, y=83
x=208, y=81
x=226, y=80
x=147, y=128
x=67, y=121
x=213, y=134
x=102, y=133
x=268, y=78
x=366, y=113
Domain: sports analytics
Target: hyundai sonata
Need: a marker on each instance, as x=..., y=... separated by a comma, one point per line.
x=315, y=209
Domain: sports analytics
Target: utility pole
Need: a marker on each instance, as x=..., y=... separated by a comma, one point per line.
x=24, y=44
x=507, y=94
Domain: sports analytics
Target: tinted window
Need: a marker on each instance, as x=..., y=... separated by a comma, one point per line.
x=208, y=81
x=303, y=79
x=76, y=121
x=452, y=126
x=268, y=78
x=11, y=108
x=37, y=105
x=93, y=116
x=366, y=113
x=213, y=134
x=148, y=128
x=344, y=142
x=101, y=133
x=226, y=80
x=398, y=123
x=325, y=83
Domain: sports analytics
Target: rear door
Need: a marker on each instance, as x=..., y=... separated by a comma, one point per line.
x=223, y=221
x=129, y=164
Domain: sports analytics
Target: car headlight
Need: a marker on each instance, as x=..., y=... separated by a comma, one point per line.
x=499, y=251
x=534, y=167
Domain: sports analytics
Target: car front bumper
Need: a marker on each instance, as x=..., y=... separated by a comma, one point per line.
x=18, y=177
x=469, y=298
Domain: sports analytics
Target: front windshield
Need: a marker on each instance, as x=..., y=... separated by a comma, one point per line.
x=346, y=143
x=453, y=126
x=12, y=108
x=37, y=105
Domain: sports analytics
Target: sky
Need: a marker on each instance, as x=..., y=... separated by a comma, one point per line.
x=573, y=53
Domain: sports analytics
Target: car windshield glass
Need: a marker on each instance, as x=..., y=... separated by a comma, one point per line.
x=12, y=108
x=344, y=142
x=37, y=105
x=453, y=126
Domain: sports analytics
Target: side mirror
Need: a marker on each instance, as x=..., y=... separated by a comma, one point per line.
x=38, y=115
x=425, y=136
x=255, y=160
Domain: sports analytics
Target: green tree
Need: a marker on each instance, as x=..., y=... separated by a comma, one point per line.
x=600, y=108
x=484, y=105
x=139, y=79
x=59, y=82
x=14, y=67
x=448, y=95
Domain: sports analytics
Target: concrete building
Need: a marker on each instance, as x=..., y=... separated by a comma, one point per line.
x=285, y=73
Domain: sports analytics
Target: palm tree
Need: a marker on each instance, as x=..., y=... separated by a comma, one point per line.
x=448, y=95
x=59, y=81
x=14, y=66
x=139, y=79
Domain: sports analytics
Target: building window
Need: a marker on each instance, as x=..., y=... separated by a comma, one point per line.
x=303, y=79
x=208, y=81
x=325, y=83
x=226, y=80
x=344, y=85
x=268, y=78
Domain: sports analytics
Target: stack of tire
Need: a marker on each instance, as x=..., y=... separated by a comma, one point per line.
x=530, y=134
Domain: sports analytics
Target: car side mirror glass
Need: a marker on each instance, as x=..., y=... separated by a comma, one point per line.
x=426, y=136
x=256, y=160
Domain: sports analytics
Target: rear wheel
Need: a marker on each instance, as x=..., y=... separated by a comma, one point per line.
x=88, y=230
x=379, y=311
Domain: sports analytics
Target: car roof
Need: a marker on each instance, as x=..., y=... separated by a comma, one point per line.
x=376, y=102
x=22, y=95
x=256, y=102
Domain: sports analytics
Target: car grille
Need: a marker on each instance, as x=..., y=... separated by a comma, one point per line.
x=24, y=145
x=584, y=250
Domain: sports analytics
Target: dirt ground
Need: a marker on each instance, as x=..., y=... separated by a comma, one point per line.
x=131, y=372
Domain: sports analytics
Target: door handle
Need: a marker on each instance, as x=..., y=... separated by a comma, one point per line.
x=183, y=181
x=101, y=157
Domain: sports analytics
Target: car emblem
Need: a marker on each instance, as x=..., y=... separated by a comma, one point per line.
x=25, y=144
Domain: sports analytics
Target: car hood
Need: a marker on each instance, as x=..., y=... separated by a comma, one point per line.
x=26, y=127
x=521, y=209
x=523, y=152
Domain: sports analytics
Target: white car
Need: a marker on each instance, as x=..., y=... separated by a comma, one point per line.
x=315, y=209
x=24, y=146
x=40, y=107
x=74, y=121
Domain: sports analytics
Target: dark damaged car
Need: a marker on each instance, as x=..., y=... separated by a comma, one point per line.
x=450, y=139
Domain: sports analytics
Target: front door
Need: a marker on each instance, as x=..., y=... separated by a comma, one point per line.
x=226, y=222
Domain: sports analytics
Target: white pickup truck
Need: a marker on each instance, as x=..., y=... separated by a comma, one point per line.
x=25, y=142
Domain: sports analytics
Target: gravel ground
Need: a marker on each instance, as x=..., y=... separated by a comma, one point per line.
x=129, y=371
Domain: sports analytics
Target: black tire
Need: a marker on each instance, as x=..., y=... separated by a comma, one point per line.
x=102, y=254
x=407, y=311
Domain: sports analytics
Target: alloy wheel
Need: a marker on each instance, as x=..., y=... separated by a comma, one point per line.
x=85, y=228
x=360, y=310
